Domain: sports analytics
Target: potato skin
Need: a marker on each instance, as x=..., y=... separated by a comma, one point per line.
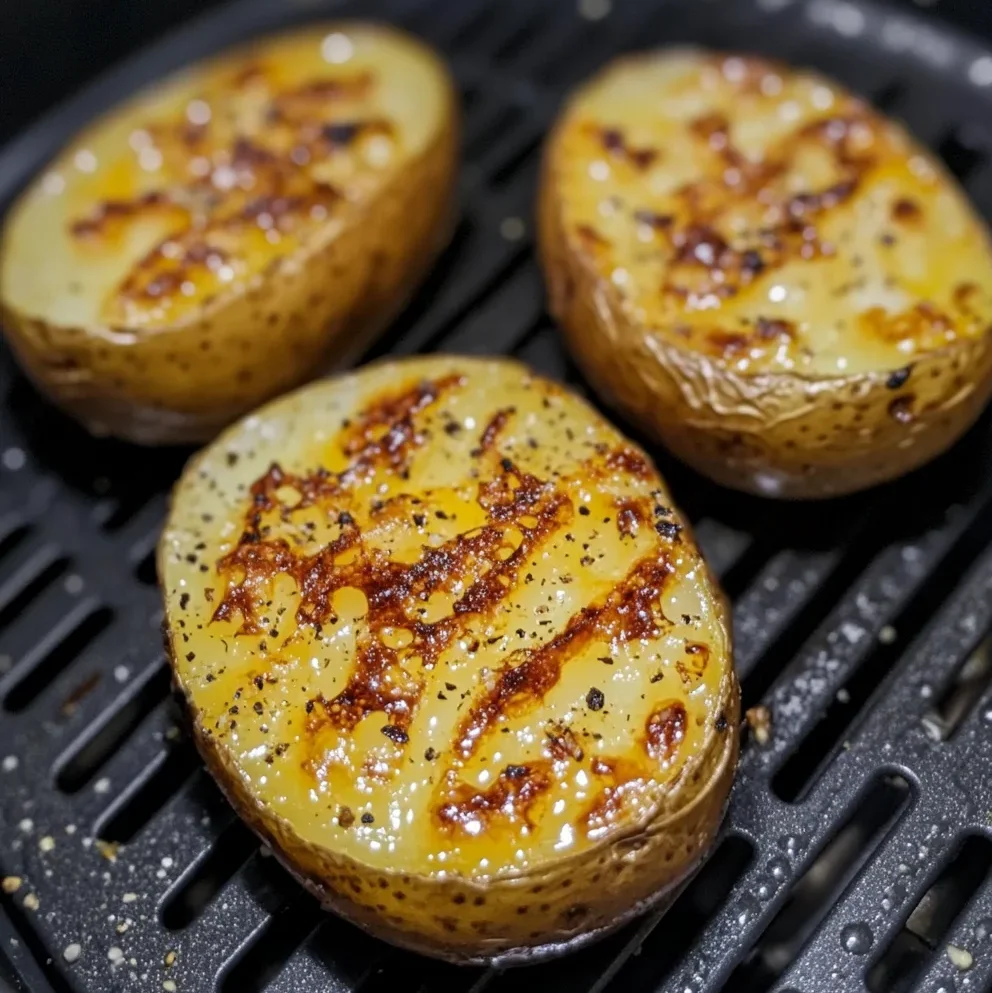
x=309, y=312
x=510, y=917
x=789, y=434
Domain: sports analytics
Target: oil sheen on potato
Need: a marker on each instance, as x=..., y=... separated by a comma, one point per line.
x=768, y=218
x=442, y=623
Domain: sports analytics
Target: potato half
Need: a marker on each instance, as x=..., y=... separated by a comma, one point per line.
x=449, y=648
x=232, y=231
x=765, y=273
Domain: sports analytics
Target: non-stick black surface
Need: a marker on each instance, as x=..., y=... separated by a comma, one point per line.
x=857, y=852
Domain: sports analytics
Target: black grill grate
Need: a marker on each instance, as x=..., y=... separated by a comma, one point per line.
x=858, y=844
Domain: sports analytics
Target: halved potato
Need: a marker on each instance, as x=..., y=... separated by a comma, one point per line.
x=451, y=651
x=232, y=231
x=765, y=273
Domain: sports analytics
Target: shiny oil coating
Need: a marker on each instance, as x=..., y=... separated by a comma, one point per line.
x=443, y=620
x=201, y=184
x=764, y=217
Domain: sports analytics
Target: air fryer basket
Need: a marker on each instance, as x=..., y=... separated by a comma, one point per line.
x=857, y=851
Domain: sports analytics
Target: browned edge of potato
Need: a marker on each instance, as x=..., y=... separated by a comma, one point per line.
x=308, y=313
x=771, y=433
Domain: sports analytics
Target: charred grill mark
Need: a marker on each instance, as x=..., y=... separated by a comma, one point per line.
x=486, y=561
x=111, y=212
x=223, y=180
x=693, y=668
x=707, y=264
x=765, y=331
x=562, y=743
x=630, y=462
x=924, y=323
x=631, y=610
x=631, y=514
x=510, y=800
x=607, y=808
x=614, y=142
x=494, y=428
x=665, y=730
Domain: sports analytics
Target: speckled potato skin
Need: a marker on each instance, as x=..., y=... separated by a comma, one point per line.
x=511, y=916
x=799, y=434
x=307, y=313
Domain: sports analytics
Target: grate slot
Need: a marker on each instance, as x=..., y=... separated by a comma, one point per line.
x=26, y=933
x=56, y=651
x=268, y=955
x=337, y=958
x=881, y=807
x=963, y=693
x=499, y=324
x=148, y=794
x=198, y=887
x=901, y=962
x=964, y=150
x=722, y=546
x=649, y=960
x=146, y=571
x=485, y=130
x=12, y=533
x=86, y=756
x=29, y=581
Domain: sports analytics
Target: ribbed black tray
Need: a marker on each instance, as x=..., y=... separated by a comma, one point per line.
x=858, y=844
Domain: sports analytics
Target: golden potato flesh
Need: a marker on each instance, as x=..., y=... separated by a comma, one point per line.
x=449, y=647
x=232, y=230
x=766, y=273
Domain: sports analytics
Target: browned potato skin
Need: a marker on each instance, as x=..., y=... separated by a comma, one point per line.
x=509, y=918
x=767, y=432
x=313, y=312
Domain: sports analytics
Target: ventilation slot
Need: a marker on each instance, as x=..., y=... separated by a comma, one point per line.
x=821, y=885
x=147, y=570
x=808, y=618
x=229, y=853
x=520, y=38
x=65, y=649
x=10, y=907
x=924, y=932
x=969, y=684
x=29, y=582
x=503, y=120
x=525, y=154
x=801, y=770
x=10, y=539
x=650, y=962
x=887, y=97
x=271, y=950
x=86, y=756
x=148, y=795
x=962, y=151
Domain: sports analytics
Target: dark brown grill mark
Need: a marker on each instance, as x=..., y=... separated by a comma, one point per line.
x=205, y=213
x=631, y=610
x=665, y=731
x=384, y=436
x=510, y=799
